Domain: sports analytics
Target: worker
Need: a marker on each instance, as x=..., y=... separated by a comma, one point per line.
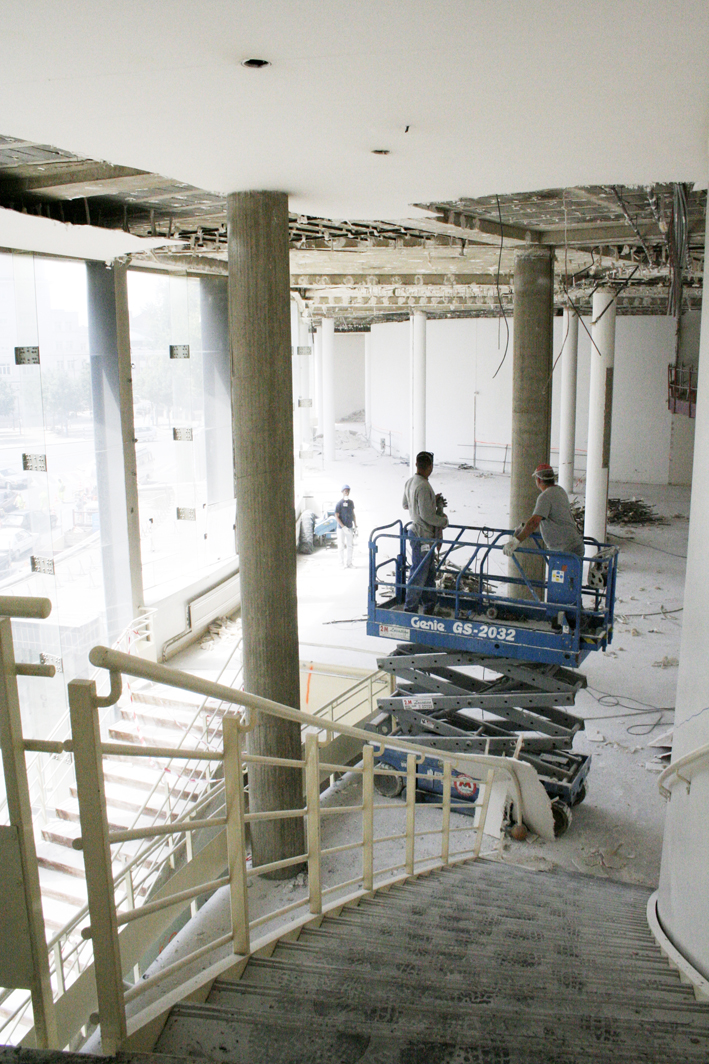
x=427, y=522
x=553, y=514
x=346, y=525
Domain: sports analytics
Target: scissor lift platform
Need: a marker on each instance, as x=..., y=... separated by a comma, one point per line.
x=488, y=606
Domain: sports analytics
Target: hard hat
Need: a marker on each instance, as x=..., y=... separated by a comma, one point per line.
x=544, y=472
x=345, y=487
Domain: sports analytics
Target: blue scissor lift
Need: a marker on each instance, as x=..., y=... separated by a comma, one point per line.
x=492, y=669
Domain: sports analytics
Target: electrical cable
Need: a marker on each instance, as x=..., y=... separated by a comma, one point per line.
x=609, y=701
x=497, y=285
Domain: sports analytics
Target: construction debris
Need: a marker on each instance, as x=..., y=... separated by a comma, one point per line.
x=624, y=512
x=666, y=663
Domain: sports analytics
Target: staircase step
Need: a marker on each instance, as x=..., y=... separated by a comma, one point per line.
x=155, y=806
x=128, y=731
x=222, y=1034
x=62, y=886
x=144, y=772
x=173, y=718
x=529, y=938
x=517, y=968
x=453, y=989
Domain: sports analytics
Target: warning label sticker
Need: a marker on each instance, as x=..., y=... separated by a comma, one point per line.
x=394, y=631
x=557, y=576
x=418, y=702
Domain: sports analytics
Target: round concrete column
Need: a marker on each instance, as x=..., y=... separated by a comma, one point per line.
x=531, y=387
x=418, y=386
x=259, y=296
x=683, y=905
x=567, y=417
x=328, y=389
x=600, y=410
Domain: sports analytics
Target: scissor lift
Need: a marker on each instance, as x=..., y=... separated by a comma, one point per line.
x=492, y=669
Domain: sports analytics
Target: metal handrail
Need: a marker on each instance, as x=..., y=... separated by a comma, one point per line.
x=114, y=661
x=673, y=770
x=96, y=836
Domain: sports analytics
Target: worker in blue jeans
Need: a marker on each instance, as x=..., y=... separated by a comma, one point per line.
x=427, y=522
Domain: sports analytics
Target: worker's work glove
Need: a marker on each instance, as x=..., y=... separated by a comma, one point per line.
x=510, y=547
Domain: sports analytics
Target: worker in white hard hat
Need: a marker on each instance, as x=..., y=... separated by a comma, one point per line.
x=552, y=515
x=346, y=525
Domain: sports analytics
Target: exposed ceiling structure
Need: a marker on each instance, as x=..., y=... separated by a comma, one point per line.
x=453, y=259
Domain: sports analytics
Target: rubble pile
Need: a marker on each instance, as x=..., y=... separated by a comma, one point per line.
x=623, y=512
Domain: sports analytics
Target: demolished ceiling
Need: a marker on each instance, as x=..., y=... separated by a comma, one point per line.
x=452, y=259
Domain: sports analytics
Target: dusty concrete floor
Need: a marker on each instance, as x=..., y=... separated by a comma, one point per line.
x=617, y=832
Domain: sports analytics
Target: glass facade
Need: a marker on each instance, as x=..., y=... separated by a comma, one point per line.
x=182, y=421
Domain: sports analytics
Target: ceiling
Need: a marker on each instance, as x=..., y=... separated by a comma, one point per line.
x=455, y=259
x=420, y=143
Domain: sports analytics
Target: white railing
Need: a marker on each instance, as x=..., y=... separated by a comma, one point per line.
x=96, y=840
x=70, y=955
x=674, y=771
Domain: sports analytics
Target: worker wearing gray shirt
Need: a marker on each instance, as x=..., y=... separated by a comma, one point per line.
x=553, y=513
x=424, y=531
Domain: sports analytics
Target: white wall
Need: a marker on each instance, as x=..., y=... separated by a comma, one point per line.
x=349, y=374
x=463, y=356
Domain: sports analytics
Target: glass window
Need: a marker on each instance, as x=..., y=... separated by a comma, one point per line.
x=182, y=418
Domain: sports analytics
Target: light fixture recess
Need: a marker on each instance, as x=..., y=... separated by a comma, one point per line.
x=255, y=64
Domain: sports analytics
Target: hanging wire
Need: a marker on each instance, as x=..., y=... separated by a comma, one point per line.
x=497, y=285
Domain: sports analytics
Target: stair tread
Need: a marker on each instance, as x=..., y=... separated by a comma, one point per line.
x=204, y=1030
x=445, y=993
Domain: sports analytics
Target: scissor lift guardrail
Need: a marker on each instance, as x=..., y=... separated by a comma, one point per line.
x=483, y=607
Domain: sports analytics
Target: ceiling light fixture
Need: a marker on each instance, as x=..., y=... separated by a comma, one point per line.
x=255, y=64
x=380, y=151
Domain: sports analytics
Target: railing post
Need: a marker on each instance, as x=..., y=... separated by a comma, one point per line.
x=19, y=810
x=410, y=811
x=88, y=765
x=483, y=813
x=236, y=835
x=368, y=818
x=446, y=825
x=312, y=798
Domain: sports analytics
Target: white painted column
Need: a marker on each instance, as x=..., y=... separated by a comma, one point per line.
x=317, y=358
x=368, y=384
x=305, y=401
x=683, y=903
x=567, y=419
x=600, y=409
x=418, y=386
x=328, y=389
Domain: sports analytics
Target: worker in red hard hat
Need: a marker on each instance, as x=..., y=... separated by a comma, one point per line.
x=552, y=514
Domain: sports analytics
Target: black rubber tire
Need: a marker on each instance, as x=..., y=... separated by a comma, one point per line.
x=305, y=539
x=562, y=817
x=580, y=795
x=388, y=786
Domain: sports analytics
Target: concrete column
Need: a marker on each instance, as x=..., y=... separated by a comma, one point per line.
x=216, y=377
x=368, y=384
x=683, y=903
x=567, y=418
x=418, y=386
x=259, y=296
x=317, y=356
x=531, y=386
x=328, y=389
x=600, y=409
x=116, y=472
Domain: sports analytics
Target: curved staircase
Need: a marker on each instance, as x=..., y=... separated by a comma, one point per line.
x=481, y=964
